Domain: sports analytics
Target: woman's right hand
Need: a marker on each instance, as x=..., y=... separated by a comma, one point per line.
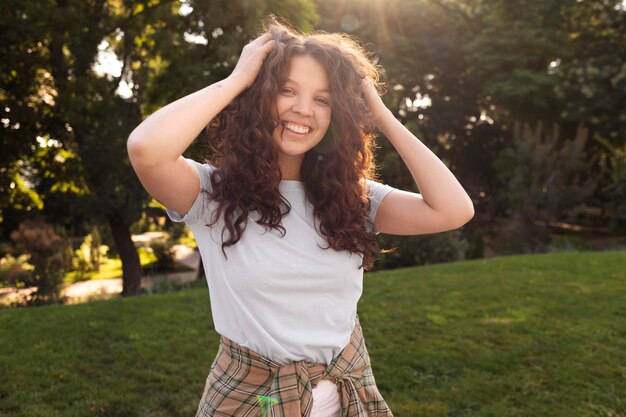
x=251, y=59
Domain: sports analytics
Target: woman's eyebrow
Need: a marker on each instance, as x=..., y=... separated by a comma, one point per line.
x=325, y=90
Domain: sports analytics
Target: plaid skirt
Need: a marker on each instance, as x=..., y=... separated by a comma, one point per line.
x=243, y=383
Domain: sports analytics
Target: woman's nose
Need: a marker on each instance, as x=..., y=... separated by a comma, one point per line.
x=303, y=106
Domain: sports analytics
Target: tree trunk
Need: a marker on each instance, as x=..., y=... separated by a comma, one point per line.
x=131, y=267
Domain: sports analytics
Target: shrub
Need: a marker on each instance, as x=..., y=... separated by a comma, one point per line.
x=176, y=230
x=568, y=244
x=187, y=238
x=163, y=249
x=615, y=169
x=48, y=255
x=161, y=286
x=16, y=272
x=89, y=256
x=476, y=245
x=421, y=249
x=543, y=176
x=520, y=235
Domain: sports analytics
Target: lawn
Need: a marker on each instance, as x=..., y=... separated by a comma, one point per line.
x=534, y=335
x=112, y=268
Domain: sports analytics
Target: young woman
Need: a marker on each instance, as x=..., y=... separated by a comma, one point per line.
x=285, y=217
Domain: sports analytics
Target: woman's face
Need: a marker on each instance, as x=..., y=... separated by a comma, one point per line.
x=304, y=110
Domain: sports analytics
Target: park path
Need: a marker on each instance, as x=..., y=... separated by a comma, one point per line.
x=83, y=291
x=106, y=288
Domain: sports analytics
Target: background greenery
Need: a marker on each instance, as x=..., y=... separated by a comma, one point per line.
x=523, y=100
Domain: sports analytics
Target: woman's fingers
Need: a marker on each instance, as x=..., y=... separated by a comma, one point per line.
x=264, y=43
x=261, y=39
x=252, y=57
x=269, y=46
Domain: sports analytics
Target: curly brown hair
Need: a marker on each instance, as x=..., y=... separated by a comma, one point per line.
x=247, y=174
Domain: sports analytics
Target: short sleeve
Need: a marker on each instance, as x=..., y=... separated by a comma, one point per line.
x=377, y=192
x=199, y=209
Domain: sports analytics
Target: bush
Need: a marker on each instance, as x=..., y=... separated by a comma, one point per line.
x=163, y=249
x=164, y=286
x=542, y=176
x=89, y=256
x=176, y=230
x=519, y=235
x=187, y=238
x=48, y=252
x=421, y=249
x=476, y=245
x=16, y=272
x=568, y=244
x=616, y=170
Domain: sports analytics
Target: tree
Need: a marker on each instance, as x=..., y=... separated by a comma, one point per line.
x=462, y=73
x=51, y=89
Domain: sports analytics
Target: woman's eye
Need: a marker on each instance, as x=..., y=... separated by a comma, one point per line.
x=320, y=100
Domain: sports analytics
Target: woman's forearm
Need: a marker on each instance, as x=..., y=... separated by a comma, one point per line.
x=436, y=183
x=169, y=131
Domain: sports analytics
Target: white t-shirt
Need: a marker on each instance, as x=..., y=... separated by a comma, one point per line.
x=283, y=297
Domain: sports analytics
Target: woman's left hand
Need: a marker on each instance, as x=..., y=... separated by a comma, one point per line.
x=374, y=102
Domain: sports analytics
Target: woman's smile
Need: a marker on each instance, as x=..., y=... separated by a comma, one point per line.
x=297, y=129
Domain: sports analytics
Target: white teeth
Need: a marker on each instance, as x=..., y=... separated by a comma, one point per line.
x=297, y=128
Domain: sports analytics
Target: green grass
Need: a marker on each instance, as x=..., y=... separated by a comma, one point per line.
x=532, y=336
x=112, y=268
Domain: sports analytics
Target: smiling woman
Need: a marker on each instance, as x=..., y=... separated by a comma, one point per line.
x=303, y=111
x=292, y=184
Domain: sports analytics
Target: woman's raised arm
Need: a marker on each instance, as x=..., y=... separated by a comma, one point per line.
x=443, y=203
x=156, y=146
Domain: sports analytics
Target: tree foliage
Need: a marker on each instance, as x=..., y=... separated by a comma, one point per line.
x=462, y=73
x=66, y=121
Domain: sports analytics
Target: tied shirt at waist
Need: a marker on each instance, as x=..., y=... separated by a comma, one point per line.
x=244, y=383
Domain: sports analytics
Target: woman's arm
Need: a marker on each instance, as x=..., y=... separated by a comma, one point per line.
x=167, y=133
x=156, y=146
x=443, y=203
